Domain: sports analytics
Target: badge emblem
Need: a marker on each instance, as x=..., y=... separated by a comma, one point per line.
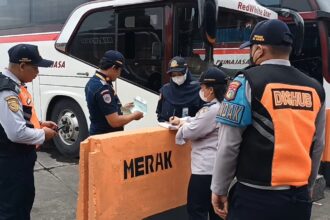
x=107, y=98
x=13, y=104
x=174, y=64
x=232, y=90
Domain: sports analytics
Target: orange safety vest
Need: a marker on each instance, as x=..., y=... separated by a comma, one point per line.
x=29, y=112
x=276, y=148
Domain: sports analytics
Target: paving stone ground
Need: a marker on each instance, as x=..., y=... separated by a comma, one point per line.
x=56, y=180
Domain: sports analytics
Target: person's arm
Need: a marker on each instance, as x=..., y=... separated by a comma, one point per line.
x=230, y=138
x=159, y=109
x=318, y=145
x=224, y=170
x=109, y=107
x=225, y=166
x=14, y=124
x=200, y=125
x=116, y=120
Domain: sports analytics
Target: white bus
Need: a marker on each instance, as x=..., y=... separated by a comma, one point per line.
x=148, y=32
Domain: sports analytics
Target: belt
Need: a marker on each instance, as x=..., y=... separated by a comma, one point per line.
x=271, y=187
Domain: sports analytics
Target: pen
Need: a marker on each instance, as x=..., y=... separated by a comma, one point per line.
x=60, y=128
x=173, y=114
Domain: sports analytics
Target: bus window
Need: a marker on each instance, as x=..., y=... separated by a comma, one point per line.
x=310, y=59
x=301, y=5
x=18, y=13
x=234, y=28
x=95, y=35
x=140, y=34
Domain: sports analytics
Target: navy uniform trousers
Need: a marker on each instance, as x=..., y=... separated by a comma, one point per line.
x=199, y=204
x=247, y=203
x=17, y=185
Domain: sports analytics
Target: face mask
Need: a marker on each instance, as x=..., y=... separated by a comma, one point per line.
x=201, y=94
x=179, y=80
x=251, y=62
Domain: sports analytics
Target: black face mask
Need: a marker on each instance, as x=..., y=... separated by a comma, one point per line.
x=251, y=62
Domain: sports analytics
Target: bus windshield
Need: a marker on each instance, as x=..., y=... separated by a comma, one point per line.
x=233, y=28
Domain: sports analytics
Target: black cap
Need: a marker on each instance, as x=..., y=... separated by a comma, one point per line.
x=270, y=32
x=27, y=53
x=213, y=76
x=177, y=64
x=114, y=57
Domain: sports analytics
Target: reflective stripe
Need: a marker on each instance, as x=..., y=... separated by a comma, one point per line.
x=264, y=120
x=263, y=132
x=266, y=187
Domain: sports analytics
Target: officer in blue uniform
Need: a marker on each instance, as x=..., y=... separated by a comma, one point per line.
x=179, y=97
x=271, y=134
x=20, y=132
x=103, y=103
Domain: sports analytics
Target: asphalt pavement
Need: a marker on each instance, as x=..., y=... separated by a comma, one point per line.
x=56, y=180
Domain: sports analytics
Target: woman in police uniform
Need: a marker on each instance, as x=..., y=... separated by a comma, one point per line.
x=180, y=96
x=203, y=133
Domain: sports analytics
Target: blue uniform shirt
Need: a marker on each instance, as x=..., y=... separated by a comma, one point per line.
x=101, y=101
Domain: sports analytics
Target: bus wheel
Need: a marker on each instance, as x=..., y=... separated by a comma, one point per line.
x=68, y=115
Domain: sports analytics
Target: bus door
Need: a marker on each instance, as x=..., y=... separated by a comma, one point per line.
x=137, y=32
x=140, y=39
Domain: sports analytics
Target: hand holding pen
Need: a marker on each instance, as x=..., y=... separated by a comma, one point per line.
x=174, y=120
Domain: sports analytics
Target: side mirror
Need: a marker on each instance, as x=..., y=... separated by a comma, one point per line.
x=208, y=20
x=208, y=11
x=299, y=22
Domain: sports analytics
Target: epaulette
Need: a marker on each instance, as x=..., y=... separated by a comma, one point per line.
x=209, y=104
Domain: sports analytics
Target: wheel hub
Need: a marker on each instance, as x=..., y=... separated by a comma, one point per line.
x=69, y=133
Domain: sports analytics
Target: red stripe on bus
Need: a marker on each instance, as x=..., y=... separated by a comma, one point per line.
x=225, y=51
x=27, y=38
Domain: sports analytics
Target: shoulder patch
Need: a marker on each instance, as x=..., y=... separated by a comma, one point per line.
x=201, y=111
x=13, y=103
x=231, y=112
x=232, y=90
x=107, y=98
x=105, y=91
x=204, y=109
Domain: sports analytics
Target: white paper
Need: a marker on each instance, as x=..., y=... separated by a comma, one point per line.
x=140, y=105
x=168, y=125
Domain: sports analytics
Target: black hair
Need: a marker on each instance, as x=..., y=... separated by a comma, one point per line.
x=219, y=90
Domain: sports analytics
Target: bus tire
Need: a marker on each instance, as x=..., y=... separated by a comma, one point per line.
x=67, y=112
